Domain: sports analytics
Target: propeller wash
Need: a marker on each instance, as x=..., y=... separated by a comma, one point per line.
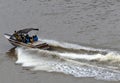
x=72, y=59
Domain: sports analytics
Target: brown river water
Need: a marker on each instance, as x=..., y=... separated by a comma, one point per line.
x=84, y=34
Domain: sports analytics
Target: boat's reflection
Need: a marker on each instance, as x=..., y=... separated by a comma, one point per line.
x=12, y=54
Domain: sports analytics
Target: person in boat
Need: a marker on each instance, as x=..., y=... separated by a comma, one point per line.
x=23, y=38
x=31, y=40
x=17, y=36
x=35, y=38
x=27, y=38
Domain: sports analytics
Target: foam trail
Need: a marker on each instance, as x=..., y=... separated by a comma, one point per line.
x=69, y=45
x=44, y=60
x=114, y=57
x=76, y=64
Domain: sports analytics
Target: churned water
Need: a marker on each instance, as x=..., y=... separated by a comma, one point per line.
x=72, y=59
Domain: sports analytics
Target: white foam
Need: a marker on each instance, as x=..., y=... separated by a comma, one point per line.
x=69, y=45
x=111, y=57
x=80, y=56
x=44, y=60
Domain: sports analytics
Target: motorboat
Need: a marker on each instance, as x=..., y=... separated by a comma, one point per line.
x=35, y=44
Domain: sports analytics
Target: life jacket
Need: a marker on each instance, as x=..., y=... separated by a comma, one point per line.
x=35, y=38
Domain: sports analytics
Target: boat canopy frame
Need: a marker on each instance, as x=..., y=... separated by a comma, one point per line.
x=25, y=31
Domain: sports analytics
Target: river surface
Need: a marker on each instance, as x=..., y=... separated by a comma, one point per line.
x=84, y=35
